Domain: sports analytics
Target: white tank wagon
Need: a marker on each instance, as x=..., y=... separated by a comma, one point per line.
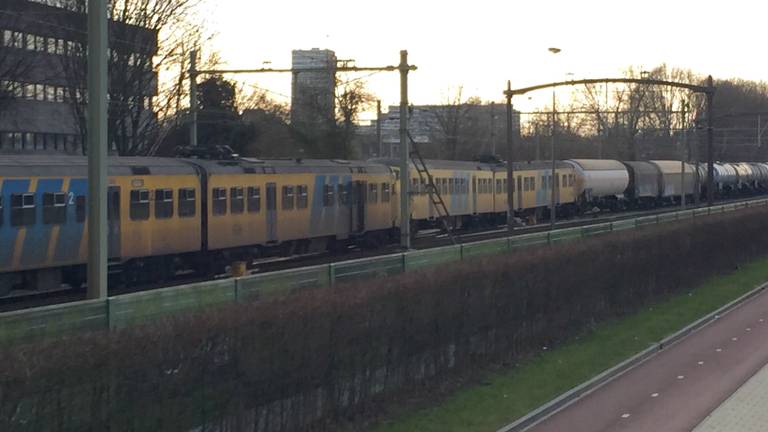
x=671, y=176
x=725, y=177
x=600, y=180
x=644, y=181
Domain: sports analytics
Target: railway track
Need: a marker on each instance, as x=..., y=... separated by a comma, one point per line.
x=425, y=240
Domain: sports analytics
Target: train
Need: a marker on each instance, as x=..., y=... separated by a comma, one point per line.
x=167, y=216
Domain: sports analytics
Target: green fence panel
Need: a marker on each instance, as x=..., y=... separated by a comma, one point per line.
x=595, y=229
x=367, y=268
x=145, y=306
x=701, y=212
x=667, y=217
x=624, y=225
x=280, y=283
x=53, y=321
x=528, y=240
x=485, y=247
x=429, y=257
x=565, y=234
x=646, y=220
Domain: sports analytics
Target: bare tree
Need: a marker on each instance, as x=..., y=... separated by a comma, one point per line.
x=148, y=38
x=352, y=98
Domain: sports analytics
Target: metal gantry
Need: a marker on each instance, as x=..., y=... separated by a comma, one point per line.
x=708, y=91
x=403, y=67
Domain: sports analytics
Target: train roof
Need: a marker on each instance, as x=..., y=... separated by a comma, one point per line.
x=298, y=165
x=440, y=164
x=77, y=166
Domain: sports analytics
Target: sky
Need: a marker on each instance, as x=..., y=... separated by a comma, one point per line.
x=481, y=44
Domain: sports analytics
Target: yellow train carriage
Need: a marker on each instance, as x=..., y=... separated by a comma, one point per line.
x=43, y=215
x=271, y=202
x=533, y=188
x=159, y=206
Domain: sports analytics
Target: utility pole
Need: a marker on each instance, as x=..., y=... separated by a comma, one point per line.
x=682, y=158
x=710, y=138
x=98, y=45
x=378, y=128
x=405, y=172
x=510, y=162
x=193, y=101
x=553, y=179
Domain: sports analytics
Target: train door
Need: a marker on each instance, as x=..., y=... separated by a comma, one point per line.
x=271, y=212
x=113, y=221
x=357, y=206
x=474, y=195
x=519, y=194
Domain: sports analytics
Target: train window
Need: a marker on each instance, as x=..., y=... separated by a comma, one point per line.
x=219, y=206
x=385, y=192
x=288, y=198
x=565, y=181
x=343, y=194
x=533, y=183
x=373, y=193
x=571, y=179
x=557, y=181
x=498, y=186
x=422, y=186
x=54, y=208
x=139, y=204
x=444, y=186
x=302, y=196
x=328, y=195
x=254, y=199
x=187, y=198
x=237, y=200
x=451, y=186
x=23, y=209
x=163, y=203
x=415, y=185
x=504, y=188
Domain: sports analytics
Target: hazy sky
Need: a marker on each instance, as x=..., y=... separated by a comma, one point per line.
x=480, y=44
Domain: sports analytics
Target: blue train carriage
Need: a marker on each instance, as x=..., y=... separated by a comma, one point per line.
x=270, y=207
x=43, y=212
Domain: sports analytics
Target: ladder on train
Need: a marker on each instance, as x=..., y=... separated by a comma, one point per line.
x=425, y=178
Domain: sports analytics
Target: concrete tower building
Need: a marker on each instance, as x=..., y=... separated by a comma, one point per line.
x=313, y=103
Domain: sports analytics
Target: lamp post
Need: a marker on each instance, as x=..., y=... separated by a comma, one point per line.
x=553, y=177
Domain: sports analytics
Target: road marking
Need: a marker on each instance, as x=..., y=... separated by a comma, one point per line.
x=701, y=363
x=734, y=339
x=625, y=415
x=749, y=329
x=680, y=377
x=655, y=395
x=719, y=349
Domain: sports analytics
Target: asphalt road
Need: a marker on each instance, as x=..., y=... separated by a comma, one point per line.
x=676, y=389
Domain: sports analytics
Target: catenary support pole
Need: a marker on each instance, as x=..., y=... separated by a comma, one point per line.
x=405, y=177
x=553, y=179
x=510, y=159
x=97, y=149
x=193, y=98
x=682, y=160
x=378, y=129
x=710, y=138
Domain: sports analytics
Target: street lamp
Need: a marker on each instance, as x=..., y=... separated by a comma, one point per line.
x=553, y=177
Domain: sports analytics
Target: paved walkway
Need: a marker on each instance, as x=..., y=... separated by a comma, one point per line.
x=745, y=411
x=678, y=388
